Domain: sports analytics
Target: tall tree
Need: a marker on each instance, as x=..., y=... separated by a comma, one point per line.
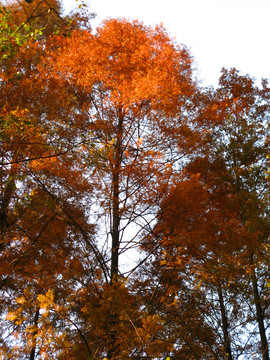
x=136, y=85
x=243, y=146
x=42, y=218
x=83, y=134
x=241, y=143
x=220, y=209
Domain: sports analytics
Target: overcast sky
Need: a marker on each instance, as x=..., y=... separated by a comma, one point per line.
x=230, y=33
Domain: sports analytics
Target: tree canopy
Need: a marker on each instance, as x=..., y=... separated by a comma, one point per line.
x=134, y=212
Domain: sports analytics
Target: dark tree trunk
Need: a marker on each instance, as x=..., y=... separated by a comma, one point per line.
x=225, y=326
x=259, y=317
x=6, y=196
x=33, y=350
x=115, y=231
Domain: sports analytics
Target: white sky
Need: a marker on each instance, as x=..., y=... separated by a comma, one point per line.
x=230, y=33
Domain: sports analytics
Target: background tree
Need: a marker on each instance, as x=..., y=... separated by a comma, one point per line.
x=42, y=218
x=245, y=155
x=220, y=210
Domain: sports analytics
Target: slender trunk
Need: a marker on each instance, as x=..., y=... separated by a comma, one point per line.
x=33, y=349
x=115, y=226
x=225, y=326
x=6, y=195
x=259, y=316
x=7, y=192
x=115, y=233
x=116, y=169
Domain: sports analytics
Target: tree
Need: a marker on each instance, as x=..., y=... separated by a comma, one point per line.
x=245, y=155
x=41, y=217
x=72, y=123
x=244, y=147
x=196, y=230
x=221, y=209
x=135, y=84
x=109, y=148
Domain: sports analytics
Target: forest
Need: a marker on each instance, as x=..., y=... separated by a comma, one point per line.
x=134, y=209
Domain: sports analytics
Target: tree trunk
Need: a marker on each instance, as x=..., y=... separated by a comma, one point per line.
x=259, y=316
x=33, y=350
x=6, y=195
x=115, y=233
x=115, y=226
x=116, y=169
x=225, y=326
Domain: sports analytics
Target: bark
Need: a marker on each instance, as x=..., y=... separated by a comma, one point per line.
x=115, y=232
x=33, y=350
x=115, y=226
x=6, y=196
x=115, y=200
x=259, y=317
x=225, y=326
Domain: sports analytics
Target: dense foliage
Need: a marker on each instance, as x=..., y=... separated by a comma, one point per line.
x=134, y=213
